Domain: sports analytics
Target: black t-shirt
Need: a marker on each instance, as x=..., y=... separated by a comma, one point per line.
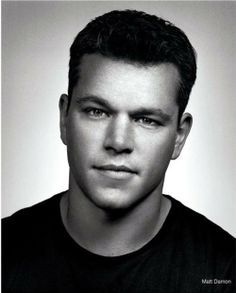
x=189, y=254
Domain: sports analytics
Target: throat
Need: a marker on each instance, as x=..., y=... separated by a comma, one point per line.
x=113, y=234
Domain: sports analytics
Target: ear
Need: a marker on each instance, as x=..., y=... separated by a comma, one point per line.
x=183, y=130
x=63, y=106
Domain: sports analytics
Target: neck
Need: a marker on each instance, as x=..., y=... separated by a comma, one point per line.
x=112, y=234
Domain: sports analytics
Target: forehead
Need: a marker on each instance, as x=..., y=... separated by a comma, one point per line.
x=121, y=82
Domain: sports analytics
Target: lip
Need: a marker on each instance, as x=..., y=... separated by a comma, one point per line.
x=115, y=171
x=117, y=168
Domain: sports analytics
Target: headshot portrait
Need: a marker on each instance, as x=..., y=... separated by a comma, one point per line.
x=118, y=146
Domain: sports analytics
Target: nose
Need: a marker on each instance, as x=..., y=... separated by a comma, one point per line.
x=119, y=136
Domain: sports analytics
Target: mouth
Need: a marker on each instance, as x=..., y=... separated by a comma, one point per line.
x=115, y=171
x=116, y=168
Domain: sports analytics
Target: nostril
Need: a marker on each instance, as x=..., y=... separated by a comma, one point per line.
x=118, y=144
x=118, y=150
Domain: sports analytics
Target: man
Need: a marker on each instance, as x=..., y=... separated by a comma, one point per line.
x=122, y=121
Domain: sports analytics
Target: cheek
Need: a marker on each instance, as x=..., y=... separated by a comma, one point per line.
x=157, y=149
x=83, y=138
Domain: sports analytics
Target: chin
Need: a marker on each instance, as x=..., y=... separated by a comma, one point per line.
x=114, y=212
x=111, y=205
x=115, y=204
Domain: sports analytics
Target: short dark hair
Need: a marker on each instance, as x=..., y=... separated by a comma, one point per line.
x=137, y=37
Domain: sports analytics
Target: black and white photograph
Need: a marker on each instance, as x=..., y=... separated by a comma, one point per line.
x=118, y=146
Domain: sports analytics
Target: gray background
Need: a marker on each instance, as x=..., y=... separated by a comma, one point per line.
x=35, y=51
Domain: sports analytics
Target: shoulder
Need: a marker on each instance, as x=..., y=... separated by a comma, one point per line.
x=206, y=237
x=27, y=240
x=29, y=223
x=198, y=223
x=208, y=250
x=31, y=215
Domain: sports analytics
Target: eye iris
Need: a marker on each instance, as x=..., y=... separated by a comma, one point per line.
x=147, y=120
x=97, y=112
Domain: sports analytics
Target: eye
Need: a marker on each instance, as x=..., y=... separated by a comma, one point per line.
x=147, y=121
x=96, y=113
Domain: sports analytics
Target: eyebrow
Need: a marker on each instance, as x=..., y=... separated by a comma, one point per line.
x=152, y=111
x=93, y=99
x=142, y=111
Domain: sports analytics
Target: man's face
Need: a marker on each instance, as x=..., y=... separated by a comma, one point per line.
x=121, y=130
